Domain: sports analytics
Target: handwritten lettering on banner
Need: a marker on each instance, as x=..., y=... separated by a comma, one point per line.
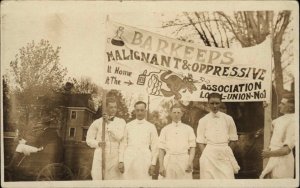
x=144, y=62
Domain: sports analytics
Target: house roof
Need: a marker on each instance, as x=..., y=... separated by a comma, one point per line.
x=64, y=99
x=79, y=100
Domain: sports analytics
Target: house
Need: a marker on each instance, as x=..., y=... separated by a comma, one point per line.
x=79, y=111
x=71, y=114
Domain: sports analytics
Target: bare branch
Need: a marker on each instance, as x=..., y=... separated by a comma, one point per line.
x=208, y=29
x=202, y=37
x=231, y=24
x=218, y=28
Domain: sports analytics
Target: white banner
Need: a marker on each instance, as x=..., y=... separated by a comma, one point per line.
x=144, y=62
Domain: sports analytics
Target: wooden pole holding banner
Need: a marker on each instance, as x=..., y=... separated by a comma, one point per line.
x=103, y=133
x=148, y=108
x=103, y=112
x=268, y=106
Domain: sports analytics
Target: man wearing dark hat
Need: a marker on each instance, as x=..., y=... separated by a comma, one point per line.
x=281, y=159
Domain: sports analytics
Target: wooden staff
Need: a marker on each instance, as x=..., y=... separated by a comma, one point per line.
x=103, y=133
x=268, y=106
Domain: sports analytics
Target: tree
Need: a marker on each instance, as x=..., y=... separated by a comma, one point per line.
x=251, y=28
x=156, y=119
x=248, y=28
x=6, y=104
x=200, y=27
x=85, y=85
x=35, y=78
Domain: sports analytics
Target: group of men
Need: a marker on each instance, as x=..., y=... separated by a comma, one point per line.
x=132, y=149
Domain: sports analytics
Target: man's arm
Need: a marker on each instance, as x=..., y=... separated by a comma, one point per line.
x=92, y=134
x=191, y=160
x=232, y=144
x=154, y=150
x=285, y=150
x=201, y=147
x=192, y=145
x=122, y=147
x=162, y=170
x=154, y=145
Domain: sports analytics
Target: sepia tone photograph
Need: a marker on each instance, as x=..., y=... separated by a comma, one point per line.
x=145, y=94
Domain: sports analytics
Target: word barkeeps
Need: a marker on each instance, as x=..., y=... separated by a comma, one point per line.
x=157, y=44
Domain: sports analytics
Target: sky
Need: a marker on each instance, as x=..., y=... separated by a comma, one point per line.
x=78, y=32
x=79, y=27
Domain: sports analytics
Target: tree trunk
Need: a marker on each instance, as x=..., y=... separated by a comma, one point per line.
x=277, y=41
x=278, y=70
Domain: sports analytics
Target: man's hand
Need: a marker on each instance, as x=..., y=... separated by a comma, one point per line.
x=162, y=171
x=151, y=171
x=101, y=144
x=262, y=176
x=121, y=167
x=266, y=154
x=189, y=168
x=40, y=148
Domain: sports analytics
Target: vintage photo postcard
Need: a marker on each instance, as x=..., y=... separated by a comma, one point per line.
x=149, y=94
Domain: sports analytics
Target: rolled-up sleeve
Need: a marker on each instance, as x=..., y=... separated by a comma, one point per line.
x=201, y=132
x=154, y=147
x=162, y=139
x=290, y=136
x=232, y=130
x=192, y=138
x=92, y=134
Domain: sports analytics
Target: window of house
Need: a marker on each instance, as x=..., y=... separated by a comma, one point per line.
x=84, y=133
x=73, y=114
x=72, y=132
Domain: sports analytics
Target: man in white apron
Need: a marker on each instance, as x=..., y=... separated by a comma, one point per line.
x=215, y=132
x=139, y=154
x=113, y=135
x=176, y=148
x=281, y=162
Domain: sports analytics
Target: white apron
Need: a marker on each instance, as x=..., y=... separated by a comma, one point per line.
x=137, y=162
x=175, y=166
x=218, y=162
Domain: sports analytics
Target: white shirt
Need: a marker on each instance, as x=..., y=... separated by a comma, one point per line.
x=142, y=135
x=113, y=135
x=283, y=131
x=177, y=138
x=216, y=128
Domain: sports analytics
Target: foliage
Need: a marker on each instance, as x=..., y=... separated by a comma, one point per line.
x=36, y=77
x=36, y=68
x=247, y=28
x=6, y=103
x=85, y=85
